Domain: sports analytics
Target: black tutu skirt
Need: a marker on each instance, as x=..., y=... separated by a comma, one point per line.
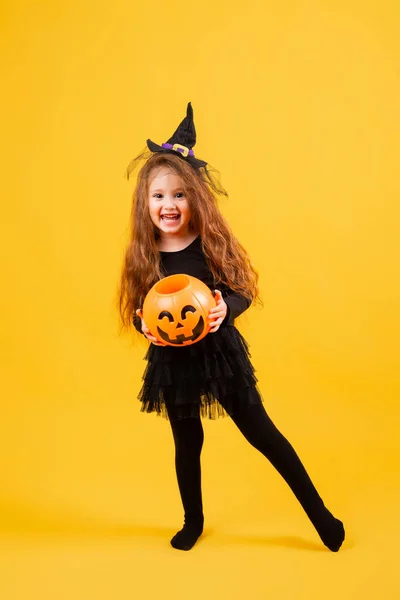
x=211, y=378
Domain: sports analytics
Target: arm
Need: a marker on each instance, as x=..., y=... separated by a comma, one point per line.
x=227, y=308
x=236, y=303
x=137, y=322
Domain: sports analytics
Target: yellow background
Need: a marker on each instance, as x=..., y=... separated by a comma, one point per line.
x=297, y=104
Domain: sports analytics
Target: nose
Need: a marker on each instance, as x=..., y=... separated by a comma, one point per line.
x=169, y=202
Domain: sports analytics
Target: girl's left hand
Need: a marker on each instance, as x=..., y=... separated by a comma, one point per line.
x=217, y=314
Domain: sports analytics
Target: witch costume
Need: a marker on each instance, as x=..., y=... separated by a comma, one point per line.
x=214, y=376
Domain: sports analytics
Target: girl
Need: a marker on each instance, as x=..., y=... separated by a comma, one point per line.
x=177, y=228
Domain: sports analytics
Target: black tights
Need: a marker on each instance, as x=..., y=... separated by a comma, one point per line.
x=260, y=431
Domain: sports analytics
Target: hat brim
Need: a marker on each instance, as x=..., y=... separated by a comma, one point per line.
x=195, y=162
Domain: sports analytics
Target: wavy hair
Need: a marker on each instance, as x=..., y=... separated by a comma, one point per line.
x=226, y=257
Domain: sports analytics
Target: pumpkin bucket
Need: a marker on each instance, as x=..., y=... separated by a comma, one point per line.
x=176, y=310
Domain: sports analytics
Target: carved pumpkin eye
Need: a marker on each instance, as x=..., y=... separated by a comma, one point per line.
x=187, y=309
x=167, y=314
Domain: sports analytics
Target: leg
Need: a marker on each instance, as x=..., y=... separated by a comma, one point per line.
x=188, y=437
x=260, y=431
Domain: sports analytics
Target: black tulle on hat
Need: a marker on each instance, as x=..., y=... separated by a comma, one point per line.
x=181, y=143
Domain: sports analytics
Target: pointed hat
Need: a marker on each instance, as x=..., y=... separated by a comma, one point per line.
x=182, y=141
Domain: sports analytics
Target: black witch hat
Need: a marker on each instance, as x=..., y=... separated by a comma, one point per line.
x=181, y=143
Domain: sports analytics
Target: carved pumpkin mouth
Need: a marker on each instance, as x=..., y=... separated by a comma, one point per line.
x=189, y=334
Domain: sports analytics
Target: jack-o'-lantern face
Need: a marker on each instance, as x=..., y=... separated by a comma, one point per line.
x=187, y=328
x=176, y=310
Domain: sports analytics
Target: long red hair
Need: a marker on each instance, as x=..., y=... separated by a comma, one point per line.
x=226, y=257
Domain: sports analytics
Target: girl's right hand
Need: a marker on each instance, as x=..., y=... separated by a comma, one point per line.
x=146, y=330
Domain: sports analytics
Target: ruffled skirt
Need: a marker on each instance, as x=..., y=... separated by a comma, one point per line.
x=211, y=378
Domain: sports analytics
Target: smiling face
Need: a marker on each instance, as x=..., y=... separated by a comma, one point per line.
x=186, y=327
x=168, y=205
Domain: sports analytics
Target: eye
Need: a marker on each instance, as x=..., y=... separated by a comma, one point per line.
x=167, y=314
x=180, y=195
x=158, y=196
x=187, y=309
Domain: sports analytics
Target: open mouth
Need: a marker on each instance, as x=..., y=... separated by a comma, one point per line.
x=181, y=339
x=171, y=218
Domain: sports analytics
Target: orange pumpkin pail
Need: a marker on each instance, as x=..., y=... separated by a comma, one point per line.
x=176, y=310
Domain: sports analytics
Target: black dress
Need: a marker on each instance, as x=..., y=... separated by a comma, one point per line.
x=190, y=380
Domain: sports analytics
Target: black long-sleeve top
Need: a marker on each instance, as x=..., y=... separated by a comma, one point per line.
x=191, y=261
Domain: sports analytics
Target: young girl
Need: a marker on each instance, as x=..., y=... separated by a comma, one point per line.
x=177, y=228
